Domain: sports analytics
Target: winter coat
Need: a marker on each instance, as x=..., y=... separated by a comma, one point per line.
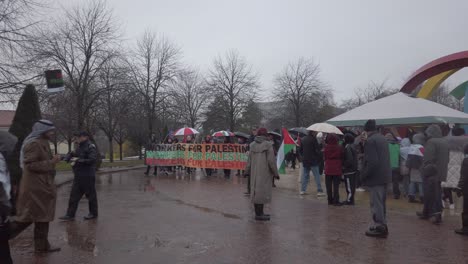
x=333, y=155
x=85, y=166
x=463, y=182
x=261, y=166
x=310, y=151
x=436, y=153
x=350, y=161
x=37, y=192
x=456, y=156
x=376, y=170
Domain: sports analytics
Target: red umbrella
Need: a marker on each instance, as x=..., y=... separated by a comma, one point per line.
x=186, y=131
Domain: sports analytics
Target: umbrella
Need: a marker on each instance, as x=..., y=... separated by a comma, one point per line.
x=186, y=131
x=223, y=133
x=300, y=130
x=276, y=135
x=325, y=128
x=242, y=135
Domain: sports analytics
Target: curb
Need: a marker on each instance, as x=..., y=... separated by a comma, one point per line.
x=105, y=172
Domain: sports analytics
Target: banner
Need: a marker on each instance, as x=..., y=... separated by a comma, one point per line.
x=214, y=156
x=54, y=81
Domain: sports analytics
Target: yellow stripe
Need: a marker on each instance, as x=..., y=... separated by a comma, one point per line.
x=433, y=83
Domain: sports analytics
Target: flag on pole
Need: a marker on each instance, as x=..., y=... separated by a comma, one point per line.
x=287, y=145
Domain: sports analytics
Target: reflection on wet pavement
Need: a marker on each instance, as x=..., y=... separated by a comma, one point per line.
x=194, y=219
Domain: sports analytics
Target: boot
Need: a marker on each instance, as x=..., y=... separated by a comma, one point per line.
x=464, y=229
x=422, y=216
x=378, y=231
x=411, y=199
x=259, y=215
x=437, y=219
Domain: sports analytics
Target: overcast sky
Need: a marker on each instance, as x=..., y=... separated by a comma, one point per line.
x=354, y=42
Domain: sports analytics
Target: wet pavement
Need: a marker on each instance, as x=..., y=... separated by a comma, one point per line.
x=182, y=219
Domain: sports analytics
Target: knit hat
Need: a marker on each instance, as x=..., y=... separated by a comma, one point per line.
x=370, y=125
x=262, y=132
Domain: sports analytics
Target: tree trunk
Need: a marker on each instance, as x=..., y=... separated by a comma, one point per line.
x=140, y=156
x=56, y=146
x=120, y=151
x=69, y=142
x=111, y=150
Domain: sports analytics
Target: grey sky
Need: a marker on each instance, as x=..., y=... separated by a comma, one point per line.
x=355, y=41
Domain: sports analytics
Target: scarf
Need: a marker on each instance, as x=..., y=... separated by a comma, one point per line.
x=39, y=128
x=7, y=145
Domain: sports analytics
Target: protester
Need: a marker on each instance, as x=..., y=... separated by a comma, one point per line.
x=189, y=140
x=376, y=175
x=434, y=171
x=333, y=155
x=208, y=140
x=83, y=161
x=394, y=150
x=405, y=146
x=37, y=192
x=462, y=190
x=291, y=158
x=227, y=172
x=414, y=164
x=261, y=166
x=7, y=145
x=250, y=141
x=350, y=168
x=320, y=139
x=359, y=142
x=456, y=143
x=310, y=154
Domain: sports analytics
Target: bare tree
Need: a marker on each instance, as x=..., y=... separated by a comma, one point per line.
x=114, y=101
x=372, y=92
x=190, y=95
x=442, y=96
x=298, y=84
x=153, y=68
x=16, y=18
x=233, y=79
x=79, y=43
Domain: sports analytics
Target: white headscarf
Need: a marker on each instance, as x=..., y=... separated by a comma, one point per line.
x=40, y=128
x=7, y=145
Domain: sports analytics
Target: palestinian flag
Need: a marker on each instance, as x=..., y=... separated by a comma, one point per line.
x=287, y=145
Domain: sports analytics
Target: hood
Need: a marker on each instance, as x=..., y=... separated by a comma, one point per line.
x=7, y=142
x=260, y=144
x=332, y=139
x=434, y=131
x=419, y=139
x=405, y=143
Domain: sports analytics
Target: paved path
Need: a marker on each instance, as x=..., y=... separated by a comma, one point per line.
x=181, y=219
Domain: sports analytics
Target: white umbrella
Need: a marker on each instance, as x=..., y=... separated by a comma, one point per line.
x=186, y=131
x=325, y=128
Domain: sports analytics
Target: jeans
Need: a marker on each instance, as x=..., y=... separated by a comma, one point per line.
x=412, y=189
x=378, y=197
x=305, y=177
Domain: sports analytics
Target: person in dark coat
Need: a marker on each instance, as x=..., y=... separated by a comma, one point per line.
x=310, y=154
x=250, y=141
x=462, y=190
x=7, y=145
x=350, y=168
x=83, y=161
x=333, y=155
x=376, y=175
x=434, y=172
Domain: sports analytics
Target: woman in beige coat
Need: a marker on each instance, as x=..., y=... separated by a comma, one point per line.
x=261, y=166
x=37, y=193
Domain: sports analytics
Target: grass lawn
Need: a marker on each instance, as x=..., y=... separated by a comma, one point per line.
x=63, y=166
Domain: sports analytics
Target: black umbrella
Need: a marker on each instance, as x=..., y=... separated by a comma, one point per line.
x=276, y=135
x=242, y=135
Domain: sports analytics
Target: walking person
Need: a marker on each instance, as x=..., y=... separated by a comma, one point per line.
x=414, y=164
x=394, y=150
x=310, y=154
x=376, y=175
x=7, y=145
x=350, y=168
x=333, y=155
x=83, y=161
x=456, y=143
x=434, y=171
x=37, y=192
x=405, y=146
x=261, y=166
x=462, y=190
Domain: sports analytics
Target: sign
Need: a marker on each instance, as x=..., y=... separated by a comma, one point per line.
x=215, y=156
x=54, y=81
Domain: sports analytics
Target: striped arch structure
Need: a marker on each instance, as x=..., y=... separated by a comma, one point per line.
x=436, y=72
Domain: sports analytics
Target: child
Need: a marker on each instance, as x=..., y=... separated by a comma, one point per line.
x=463, y=190
x=350, y=168
x=333, y=155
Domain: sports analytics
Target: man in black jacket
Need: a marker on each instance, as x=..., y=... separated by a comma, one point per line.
x=310, y=154
x=83, y=161
x=350, y=168
x=376, y=174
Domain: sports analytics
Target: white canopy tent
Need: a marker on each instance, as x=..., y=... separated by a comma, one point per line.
x=400, y=109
